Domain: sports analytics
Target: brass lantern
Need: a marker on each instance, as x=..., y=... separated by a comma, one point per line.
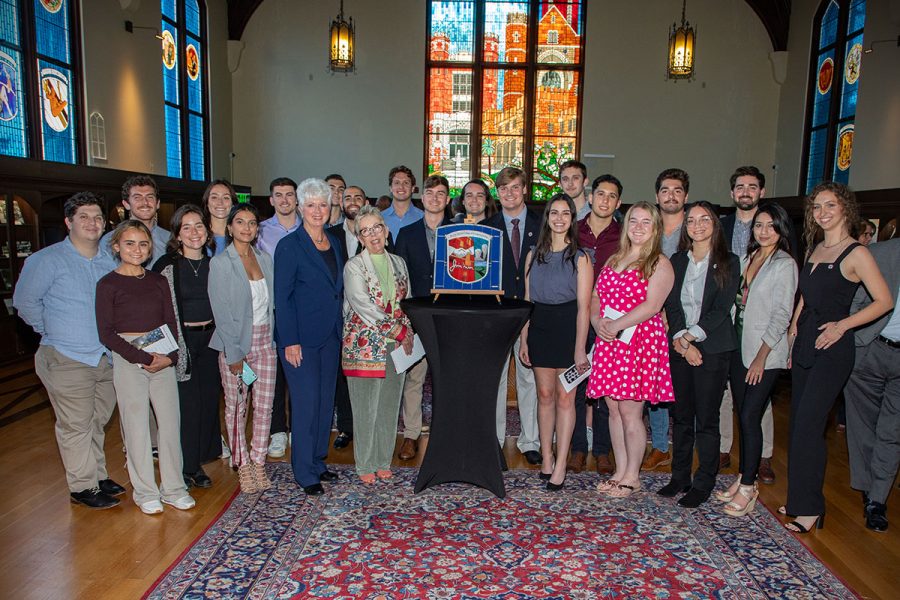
x=681, y=50
x=343, y=39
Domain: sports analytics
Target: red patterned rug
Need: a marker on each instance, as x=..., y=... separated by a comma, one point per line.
x=457, y=541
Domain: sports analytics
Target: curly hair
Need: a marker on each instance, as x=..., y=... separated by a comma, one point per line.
x=845, y=197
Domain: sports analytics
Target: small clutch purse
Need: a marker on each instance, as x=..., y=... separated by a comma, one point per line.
x=247, y=375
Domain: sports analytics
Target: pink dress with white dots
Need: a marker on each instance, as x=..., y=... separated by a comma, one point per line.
x=638, y=370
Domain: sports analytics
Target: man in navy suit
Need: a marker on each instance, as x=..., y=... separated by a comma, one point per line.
x=520, y=229
x=415, y=244
x=309, y=288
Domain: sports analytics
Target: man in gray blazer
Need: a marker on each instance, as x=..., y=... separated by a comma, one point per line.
x=872, y=395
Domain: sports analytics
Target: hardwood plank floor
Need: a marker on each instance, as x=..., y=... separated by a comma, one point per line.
x=52, y=549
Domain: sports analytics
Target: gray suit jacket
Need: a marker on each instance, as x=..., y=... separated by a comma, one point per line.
x=770, y=305
x=887, y=255
x=232, y=306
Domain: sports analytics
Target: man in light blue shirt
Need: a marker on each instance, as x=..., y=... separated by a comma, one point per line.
x=283, y=198
x=55, y=296
x=401, y=212
x=140, y=197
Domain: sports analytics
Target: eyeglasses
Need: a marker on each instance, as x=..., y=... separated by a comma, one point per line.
x=373, y=230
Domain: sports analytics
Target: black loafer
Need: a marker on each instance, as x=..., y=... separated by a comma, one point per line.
x=315, y=489
x=533, y=457
x=110, y=487
x=672, y=489
x=342, y=440
x=693, y=498
x=876, y=516
x=328, y=476
x=199, y=479
x=94, y=498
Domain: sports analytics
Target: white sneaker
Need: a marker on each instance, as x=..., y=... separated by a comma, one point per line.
x=278, y=445
x=152, y=507
x=590, y=438
x=183, y=503
x=226, y=451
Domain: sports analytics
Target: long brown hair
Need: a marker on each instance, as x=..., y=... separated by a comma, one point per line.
x=544, y=245
x=718, y=249
x=652, y=250
x=845, y=197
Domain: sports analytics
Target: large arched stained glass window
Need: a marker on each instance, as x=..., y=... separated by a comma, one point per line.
x=184, y=86
x=38, y=80
x=503, y=88
x=834, y=82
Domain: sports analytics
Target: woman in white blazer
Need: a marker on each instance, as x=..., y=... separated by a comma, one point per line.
x=764, y=305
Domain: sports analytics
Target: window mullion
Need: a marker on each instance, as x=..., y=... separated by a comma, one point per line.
x=478, y=67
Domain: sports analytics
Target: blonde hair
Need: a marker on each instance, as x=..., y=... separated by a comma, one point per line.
x=120, y=230
x=652, y=250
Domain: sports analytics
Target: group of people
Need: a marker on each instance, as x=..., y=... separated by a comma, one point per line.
x=669, y=307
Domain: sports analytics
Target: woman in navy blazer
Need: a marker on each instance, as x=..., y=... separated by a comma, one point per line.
x=702, y=335
x=308, y=296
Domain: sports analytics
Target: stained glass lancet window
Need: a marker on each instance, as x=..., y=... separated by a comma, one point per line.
x=503, y=88
x=834, y=82
x=47, y=45
x=184, y=79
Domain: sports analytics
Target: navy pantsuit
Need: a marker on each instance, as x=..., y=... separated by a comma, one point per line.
x=308, y=299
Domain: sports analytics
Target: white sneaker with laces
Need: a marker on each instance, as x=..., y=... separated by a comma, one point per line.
x=278, y=445
x=152, y=507
x=183, y=503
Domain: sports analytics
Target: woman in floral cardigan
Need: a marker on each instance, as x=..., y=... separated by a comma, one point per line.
x=375, y=282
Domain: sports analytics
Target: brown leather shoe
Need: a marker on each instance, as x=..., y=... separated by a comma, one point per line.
x=604, y=465
x=576, y=462
x=656, y=459
x=724, y=460
x=765, y=473
x=408, y=449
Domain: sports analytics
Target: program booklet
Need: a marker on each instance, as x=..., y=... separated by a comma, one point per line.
x=160, y=340
x=571, y=377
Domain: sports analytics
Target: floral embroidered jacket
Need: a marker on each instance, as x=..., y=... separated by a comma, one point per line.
x=370, y=319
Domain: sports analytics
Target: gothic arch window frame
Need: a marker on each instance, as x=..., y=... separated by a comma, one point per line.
x=832, y=130
x=508, y=143
x=30, y=80
x=181, y=149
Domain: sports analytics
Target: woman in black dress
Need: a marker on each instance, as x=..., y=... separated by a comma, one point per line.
x=822, y=349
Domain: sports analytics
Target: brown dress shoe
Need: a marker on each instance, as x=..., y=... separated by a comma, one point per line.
x=604, y=465
x=765, y=473
x=576, y=462
x=724, y=460
x=408, y=449
x=656, y=459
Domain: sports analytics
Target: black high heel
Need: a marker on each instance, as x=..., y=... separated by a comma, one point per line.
x=819, y=524
x=545, y=476
x=555, y=487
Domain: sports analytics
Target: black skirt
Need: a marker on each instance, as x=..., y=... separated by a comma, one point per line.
x=551, y=335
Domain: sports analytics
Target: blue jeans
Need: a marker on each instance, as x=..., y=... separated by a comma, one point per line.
x=659, y=426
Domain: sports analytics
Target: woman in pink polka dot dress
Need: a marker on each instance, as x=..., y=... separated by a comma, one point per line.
x=627, y=299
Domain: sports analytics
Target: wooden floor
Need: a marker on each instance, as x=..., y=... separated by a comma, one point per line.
x=50, y=548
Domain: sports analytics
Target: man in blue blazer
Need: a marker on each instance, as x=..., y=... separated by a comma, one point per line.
x=520, y=229
x=309, y=290
x=415, y=244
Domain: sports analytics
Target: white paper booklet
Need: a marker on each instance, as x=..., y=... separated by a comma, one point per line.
x=625, y=334
x=570, y=378
x=402, y=360
x=160, y=340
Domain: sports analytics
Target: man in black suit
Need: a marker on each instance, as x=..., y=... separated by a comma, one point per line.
x=520, y=229
x=415, y=244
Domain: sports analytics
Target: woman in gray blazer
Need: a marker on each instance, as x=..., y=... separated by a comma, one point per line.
x=764, y=305
x=242, y=296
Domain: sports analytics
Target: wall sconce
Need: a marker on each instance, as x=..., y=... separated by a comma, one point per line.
x=130, y=27
x=680, y=64
x=343, y=41
x=871, y=47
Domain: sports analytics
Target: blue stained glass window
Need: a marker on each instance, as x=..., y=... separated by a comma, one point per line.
x=57, y=111
x=816, y=158
x=52, y=31
x=852, y=66
x=453, y=30
x=168, y=10
x=843, y=153
x=507, y=23
x=195, y=124
x=13, y=139
x=828, y=33
x=170, y=64
x=9, y=22
x=173, y=141
x=857, y=16
x=192, y=16
x=194, y=68
x=822, y=102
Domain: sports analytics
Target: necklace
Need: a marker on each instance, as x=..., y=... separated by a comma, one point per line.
x=143, y=273
x=196, y=269
x=837, y=243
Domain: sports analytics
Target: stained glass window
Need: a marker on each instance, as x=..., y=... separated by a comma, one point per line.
x=48, y=91
x=834, y=83
x=184, y=77
x=503, y=89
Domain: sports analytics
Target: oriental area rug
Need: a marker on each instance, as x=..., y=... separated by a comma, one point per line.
x=457, y=541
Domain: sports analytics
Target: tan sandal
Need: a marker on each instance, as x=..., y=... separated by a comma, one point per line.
x=247, y=479
x=368, y=478
x=728, y=495
x=604, y=486
x=750, y=493
x=623, y=490
x=260, y=477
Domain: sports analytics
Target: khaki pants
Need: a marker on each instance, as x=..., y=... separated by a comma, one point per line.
x=83, y=399
x=412, y=399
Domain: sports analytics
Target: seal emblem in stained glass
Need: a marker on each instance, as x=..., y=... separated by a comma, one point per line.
x=192, y=62
x=845, y=146
x=854, y=61
x=467, y=259
x=55, y=99
x=169, y=52
x=52, y=6
x=9, y=93
x=826, y=74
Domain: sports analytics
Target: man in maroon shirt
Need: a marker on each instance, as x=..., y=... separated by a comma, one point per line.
x=598, y=233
